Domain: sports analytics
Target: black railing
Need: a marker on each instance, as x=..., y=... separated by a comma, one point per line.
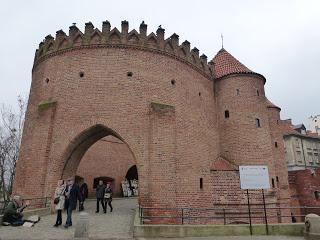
x=41, y=202
x=225, y=214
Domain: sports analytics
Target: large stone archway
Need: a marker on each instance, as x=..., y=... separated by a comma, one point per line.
x=108, y=158
x=79, y=146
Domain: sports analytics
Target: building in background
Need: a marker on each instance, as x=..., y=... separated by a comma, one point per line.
x=314, y=124
x=302, y=154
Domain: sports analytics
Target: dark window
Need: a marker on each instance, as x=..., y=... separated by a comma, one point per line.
x=201, y=183
x=276, y=144
x=238, y=92
x=258, y=94
x=81, y=74
x=226, y=114
x=258, y=122
x=129, y=74
x=47, y=80
x=272, y=182
x=317, y=194
x=277, y=178
x=199, y=94
x=173, y=82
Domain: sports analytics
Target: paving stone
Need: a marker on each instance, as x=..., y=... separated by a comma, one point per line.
x=117, y=224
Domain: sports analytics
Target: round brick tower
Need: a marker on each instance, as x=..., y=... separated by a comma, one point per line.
x=149, y=92
x=242, y=113
x=281, y=172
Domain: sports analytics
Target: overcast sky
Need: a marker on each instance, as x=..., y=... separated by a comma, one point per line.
x=279, y=39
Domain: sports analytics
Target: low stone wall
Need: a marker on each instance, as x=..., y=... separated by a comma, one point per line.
x=40, y=212
x=149, y=231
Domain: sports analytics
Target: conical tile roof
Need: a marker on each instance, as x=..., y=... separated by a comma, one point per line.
x=226, y=64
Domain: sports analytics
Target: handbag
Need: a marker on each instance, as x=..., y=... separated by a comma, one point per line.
x=56, y=200
x=107, y=195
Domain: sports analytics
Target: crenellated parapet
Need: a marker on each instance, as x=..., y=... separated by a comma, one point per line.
x=107, y=37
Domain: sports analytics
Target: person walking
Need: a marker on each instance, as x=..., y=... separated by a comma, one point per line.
x=100, y=195
x=72, y=195
x=84, y=194
x=108, y=197
x=59, y=200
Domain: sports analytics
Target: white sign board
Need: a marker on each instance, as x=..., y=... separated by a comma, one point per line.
x=254, y=177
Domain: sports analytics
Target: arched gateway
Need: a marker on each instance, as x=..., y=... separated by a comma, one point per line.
x=163, y=100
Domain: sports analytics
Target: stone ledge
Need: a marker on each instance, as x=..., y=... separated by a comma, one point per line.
x=43, y=106
x=151, y=231
x=162, y=108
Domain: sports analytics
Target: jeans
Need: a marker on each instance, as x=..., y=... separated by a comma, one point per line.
x=17, y=222
x=102, y=204
x=59, y=217
x=69, y=216
x=108, y=201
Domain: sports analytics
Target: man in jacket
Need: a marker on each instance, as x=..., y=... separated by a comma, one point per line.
x=100, y=195
x=72, y=196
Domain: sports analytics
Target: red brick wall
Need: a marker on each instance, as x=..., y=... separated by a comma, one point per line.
x=109, y=157
x=303, y=184
x=172, y=150
x=280, y=167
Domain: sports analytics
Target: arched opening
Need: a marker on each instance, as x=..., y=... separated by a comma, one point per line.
x=130, y=186
x=99, y=153
x=132, y=173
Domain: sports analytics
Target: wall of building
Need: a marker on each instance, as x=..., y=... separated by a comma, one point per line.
x=303, y=185
x=302, y=151
x=164, y=111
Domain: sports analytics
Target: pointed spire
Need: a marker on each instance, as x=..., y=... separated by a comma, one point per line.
x=221, y=40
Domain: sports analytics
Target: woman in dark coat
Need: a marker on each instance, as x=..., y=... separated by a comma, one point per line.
x=108, y=198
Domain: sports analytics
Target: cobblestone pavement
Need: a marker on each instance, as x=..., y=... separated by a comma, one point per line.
x=231, y=238
x=117, y=224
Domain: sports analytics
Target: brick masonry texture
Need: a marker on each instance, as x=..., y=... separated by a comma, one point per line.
x=109, y=157
x=163, y=102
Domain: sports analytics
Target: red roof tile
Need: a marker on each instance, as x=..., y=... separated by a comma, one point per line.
x=271, y=105
x=221, y=164
x=225, y=64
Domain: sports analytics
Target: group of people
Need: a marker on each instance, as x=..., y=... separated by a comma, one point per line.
x=104, y=196
x=67, y=195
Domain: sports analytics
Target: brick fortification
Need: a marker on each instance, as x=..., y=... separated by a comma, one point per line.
x=184, y=120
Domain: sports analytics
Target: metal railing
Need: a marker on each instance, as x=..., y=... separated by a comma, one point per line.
x=225, y=214
x=41, y=202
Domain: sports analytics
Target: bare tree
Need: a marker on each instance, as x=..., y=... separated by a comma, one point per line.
x=11, y=126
